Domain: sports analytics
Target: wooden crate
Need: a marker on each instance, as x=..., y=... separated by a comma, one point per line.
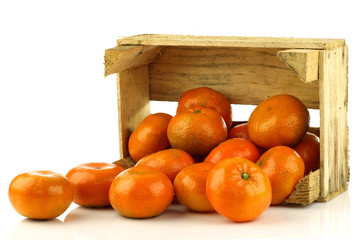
x=246, y=70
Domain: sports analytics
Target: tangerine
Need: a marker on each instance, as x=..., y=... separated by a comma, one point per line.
x=239, y=131
x=149, y=136
x=285, y=168
x=141, y=192
x=40, y=194
x=196, y=131
x=91, y=183
x=278, y=120
x=169, y=161
x=238, y=189
x=235, y=147
x=204, y=97
x=309, y=150
x=190, y=187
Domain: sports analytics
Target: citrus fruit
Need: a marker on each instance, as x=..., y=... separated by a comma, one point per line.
x=91, y=183
x=190, y=187
x=40, y=194
x=149, y=136
x=278, y=120
x=239, y=131
x=204, y=97
x=309, y=150
x=169, y=161
x=141, y=192
x=236, y=147
x=238, y=189
x=284, y=168
x=196, y=131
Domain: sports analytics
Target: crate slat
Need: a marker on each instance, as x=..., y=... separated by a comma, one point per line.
x=333, y=122
x=124, y=57
x=133, y=103
x=307, y=190
x=230, y=41
x=254, y=74
x=304, y=62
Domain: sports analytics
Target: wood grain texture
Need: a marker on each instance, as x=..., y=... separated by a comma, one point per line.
x=226, y=41
x=304, y=62
x=121, y=58
x=333, y=122
x=133, y=103
x=243, y=75
x=126, y=162
x=307, y=190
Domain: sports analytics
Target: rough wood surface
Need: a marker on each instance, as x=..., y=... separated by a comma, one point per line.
x=244, y=75
x=121, y=58
x=126, y=162
x=333, y=122
x=226, y=41
x=133, y=103
x=307, y=190
x=304, y=62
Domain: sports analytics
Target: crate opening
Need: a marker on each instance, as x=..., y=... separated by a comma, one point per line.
x=241, y=113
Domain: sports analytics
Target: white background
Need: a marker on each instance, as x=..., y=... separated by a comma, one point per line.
x=57, y=110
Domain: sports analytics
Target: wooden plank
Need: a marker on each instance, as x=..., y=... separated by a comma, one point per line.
x=121, y=58
x=333, y=122
x=125, y=162
x=133, y=103
x=226, y=41
x=244, y=75
x=307, y=190
x=304, y=62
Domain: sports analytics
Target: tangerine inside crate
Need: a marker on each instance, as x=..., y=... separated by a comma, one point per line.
x=246, y=70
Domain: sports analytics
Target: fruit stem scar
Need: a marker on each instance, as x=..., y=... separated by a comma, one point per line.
x=197, y=111
x=245, y=176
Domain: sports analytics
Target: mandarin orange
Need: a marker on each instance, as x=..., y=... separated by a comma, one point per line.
x=196, y=131
x=205, y=97
x=190, y=187
x=238, y=189
x=91, y=183
x=169, y=161
x=141, y=192
x=149, y=136
x=284, y=168
x=236, y=147
x=278, y=120
x=40, y=194
x=309, y=150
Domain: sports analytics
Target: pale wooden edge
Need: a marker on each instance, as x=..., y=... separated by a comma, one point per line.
x=230, y=41
x=126, y=162
x=307, y=190
x=133, y=103
x=333, y=194
x=334, y=149
x=304, y=62
x=121, y=58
